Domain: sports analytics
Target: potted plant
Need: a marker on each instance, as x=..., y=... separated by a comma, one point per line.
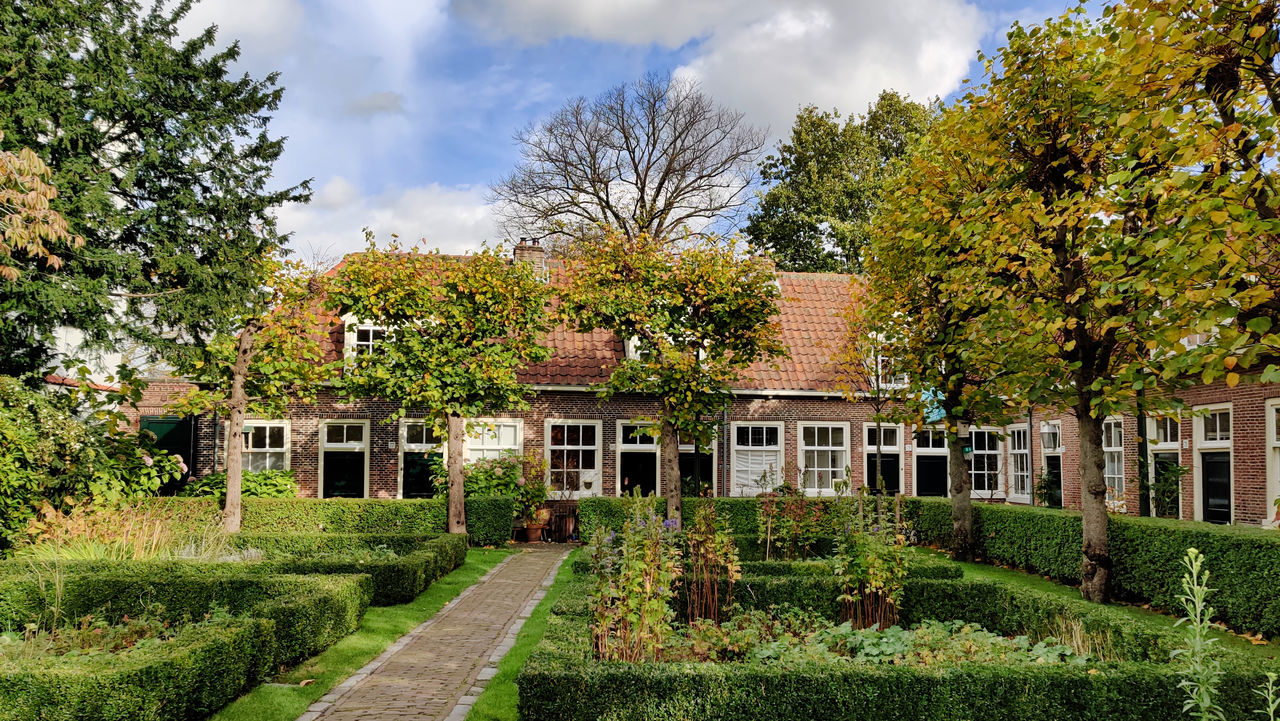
x=531, y=497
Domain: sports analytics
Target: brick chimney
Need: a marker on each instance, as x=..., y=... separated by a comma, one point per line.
x=530, y=251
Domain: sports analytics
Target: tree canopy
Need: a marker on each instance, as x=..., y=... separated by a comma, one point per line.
x=458, y=331
x=697, y=317
x=825, y=183
x=163, y=163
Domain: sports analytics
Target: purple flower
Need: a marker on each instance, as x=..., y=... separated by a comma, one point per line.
x=669, y=523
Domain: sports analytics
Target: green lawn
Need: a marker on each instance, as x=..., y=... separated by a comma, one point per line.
x=379, y=628
x=1013, y=576
x=498, y=702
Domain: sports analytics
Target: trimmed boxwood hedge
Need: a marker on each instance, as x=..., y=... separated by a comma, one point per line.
x=562, y=682
x=395, y=580
x=488, y=518
x=309, y=613
x=1146, y=554
x=310, y=544
x=188, y=677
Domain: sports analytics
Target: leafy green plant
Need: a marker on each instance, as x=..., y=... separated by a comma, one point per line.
x=256, y=484
x=499, y=476
x=636, y=573
x=1203, y=670
x=531, y=493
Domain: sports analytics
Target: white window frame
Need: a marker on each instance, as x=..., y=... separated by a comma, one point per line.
x=869, y=450
x=714, y=450
x=350, y=328
x=1115, y=491
x=998, y=493
x=801, y=448
x=1272, y=407
x=1156, y=446
x=917, y=451
x=622, y=446
x=734, y=448
x=269, y=422
x=598, y=476
x=893, y=381
x=442, y=446
x=1012, y=433
x=478, y=426
x=1201, y=445
x=324, y=445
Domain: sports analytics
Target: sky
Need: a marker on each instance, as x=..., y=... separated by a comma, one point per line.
x=402, y=112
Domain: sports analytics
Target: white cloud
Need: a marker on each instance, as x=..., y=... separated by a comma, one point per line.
x=376, y=104
x=767, y=58
x=453, y=219
x=837, y=54
x=635, y=22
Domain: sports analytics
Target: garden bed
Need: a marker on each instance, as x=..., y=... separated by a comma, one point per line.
x=1128, y=676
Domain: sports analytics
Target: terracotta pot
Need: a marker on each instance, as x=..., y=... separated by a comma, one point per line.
x=533, y=532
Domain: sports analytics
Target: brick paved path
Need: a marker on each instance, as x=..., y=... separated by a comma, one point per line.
x=436, y=670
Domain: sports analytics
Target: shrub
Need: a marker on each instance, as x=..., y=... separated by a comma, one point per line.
x=198, y=671
x=488, y=519
x=253, y=484
x=310, y=544
x=609, y=514
x=561, y=681
x=1146, y=554
x=492, y=476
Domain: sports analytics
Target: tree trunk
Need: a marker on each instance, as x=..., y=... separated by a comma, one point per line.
x=877, y=482
x=457, y=493
x=1095, y=570
x=961, y=503
x=671, y=472
x=238, y=405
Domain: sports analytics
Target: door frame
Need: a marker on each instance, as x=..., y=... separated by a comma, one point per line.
x=1202, y=446
x=900, y=450
x=322, y=447
x=442, y=446
x=944, y=452
x=617, y=456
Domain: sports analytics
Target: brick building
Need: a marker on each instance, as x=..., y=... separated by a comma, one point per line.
x=787, y=420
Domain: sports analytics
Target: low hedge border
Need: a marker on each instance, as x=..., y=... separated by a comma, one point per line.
x=918, y=565
x=1146, y=554
x=395, y=580
x=309, y=613
x=488, y=518
x=188, y=677
x=561, y=680
x=310, y=544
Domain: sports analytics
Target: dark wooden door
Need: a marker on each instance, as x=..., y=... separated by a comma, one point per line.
x=1215, y=477
x=931, y=476
x=890, y=482
x=639, y=470
x=344, y=474
x=417, y=481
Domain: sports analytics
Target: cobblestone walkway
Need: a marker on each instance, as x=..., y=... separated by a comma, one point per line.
x=437, y=670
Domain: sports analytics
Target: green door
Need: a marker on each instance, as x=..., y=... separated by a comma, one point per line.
x=418, y=471
x=173, y=436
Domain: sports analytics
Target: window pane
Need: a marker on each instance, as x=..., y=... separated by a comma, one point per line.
x=557, y=435
x=333, y=433
x=743, y=436
x=771, y=436
x=890, y=439
x=355, y=434
x=757, y=436
x=508, y=435
x=589, y=436
x=573, y=435
x=415, y=433
x=275, y=461
x=837, y=436
x=872, y=438
x=275, y=437
x=588, y=460
x=557, y=460
x=810, y=434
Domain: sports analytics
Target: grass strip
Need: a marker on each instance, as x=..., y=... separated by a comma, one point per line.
x=1017, y=577
x=380, y=627
x=498, y=702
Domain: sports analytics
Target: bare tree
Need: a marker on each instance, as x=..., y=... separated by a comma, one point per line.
x=654, y=157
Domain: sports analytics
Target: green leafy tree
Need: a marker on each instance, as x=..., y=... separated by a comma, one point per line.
x=458, y=333
x=698, y=318
x=826, y=183
x=271, y=354
x=163, y=164
x=921, y=297
x=1100, y=286
x=1212, y=69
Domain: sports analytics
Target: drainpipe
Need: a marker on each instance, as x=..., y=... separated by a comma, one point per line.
x=722, y=446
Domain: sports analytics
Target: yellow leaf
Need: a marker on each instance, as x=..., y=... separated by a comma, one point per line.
x=1229, y=362
x=1233, y=379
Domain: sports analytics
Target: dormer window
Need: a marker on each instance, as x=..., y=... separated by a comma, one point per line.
x=886, y=375
x=362, y=338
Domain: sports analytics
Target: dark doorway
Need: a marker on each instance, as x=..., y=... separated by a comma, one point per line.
x=889, y=483
x=639, y=470
x=1166, y=488
x=419, y=474
x=344, y=474
x=1052, y=493
x=697, y=473
x=173, y=436
x=931, y=476
x=1215, y=483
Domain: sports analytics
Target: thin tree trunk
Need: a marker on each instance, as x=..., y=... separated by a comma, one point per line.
x=961, y=503
x=1095, y=569
x=671, y=472
x=878, y=481
x=457, y=497
x=238, y=403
